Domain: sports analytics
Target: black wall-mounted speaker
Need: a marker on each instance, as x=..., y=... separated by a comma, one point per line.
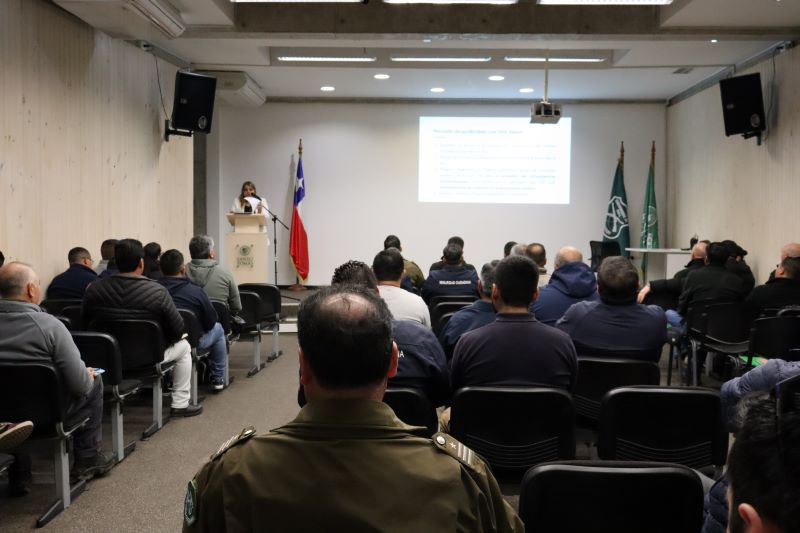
x=742, y=105
x=194, y=101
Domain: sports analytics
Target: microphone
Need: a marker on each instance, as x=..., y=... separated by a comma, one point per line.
x=254, y=195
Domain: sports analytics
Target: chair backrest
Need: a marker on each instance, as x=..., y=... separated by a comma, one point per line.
x=193, y=328
x=251, y=308
x=665, y=300
x=270, y=299
x=514, y=428
x=100, y=350
x=775, y=337
x=75, y=315
x=31, y=391
x=55, y=305
x=728, y=322
x=223, y=315
x=412, y=407
x=443, y=321
x=696, y=316
x=665, y=424
x=789, y=310
x=603, y=496
x=141, y=342
x=451, y=298
x=442, y=308
x=598, y=375
x=602, y=249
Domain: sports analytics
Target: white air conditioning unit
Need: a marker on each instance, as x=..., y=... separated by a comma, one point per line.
x=237, y=88
x=128, y=19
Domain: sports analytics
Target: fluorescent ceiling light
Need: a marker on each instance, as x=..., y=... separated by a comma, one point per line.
x=496, y=78
x=441, y=59
x=554, y=59
x=437, y=90
x=605, y=2
x=327, y=59
x=381, y=76
x=526, y=90
x=500, y=2
x=297, y=1
x=327, y=88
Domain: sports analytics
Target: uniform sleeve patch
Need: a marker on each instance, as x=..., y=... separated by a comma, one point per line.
x=190, y=504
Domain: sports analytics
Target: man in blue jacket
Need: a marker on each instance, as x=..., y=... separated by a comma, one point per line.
x=454, y=278
x=572, y=281
x=187, y=295
x=72, y=283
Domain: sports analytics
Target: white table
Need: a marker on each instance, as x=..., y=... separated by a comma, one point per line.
x=662, y=263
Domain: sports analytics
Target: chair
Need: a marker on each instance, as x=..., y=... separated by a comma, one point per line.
x=74, y=313
x=665, y=300
x=251, y=314
x=443, y=308
x=514, y=428
x=54, y=306
x=775, y=338
x=695, y=331
x=451, y=298
x=32, y=391
x=225, y=319
x=443, y=321
x=100, y=350
x=142, y=346
x=727, y=328
x=194, y=332
x=412, y=407
x=270, y=312
x=603, y=496
x=598, y=375
x=665, y=424
x=602, y=249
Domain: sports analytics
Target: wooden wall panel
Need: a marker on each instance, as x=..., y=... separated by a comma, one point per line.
x=81, y=151
x=727, y=187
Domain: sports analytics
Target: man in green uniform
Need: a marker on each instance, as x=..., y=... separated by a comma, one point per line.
x=412, y=269
x=346, y=463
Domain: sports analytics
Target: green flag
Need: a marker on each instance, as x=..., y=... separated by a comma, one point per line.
x=616, y=228
x=649, y=237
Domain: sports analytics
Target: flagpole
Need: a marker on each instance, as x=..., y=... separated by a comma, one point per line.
x=298, y=286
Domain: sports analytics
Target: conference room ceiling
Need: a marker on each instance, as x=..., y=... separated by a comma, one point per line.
x=648, y=53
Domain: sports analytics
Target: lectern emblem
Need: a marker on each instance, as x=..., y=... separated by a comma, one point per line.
x=244, y=259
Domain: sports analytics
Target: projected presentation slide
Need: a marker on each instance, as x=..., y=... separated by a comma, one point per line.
x=497, y=160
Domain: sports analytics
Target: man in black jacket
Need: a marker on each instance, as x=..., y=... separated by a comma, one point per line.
x=128, y=294
x=781, y=291
x=72, y=282
x=712, y=282
x=674, y=285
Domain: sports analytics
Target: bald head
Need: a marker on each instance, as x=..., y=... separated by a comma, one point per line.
x=568, y=254
x=790, y=250
x=18, y=281
x=699, y=250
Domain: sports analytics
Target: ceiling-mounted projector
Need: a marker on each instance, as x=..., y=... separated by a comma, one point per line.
x=545, y=113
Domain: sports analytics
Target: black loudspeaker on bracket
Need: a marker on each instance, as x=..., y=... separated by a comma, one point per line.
x=170, y=131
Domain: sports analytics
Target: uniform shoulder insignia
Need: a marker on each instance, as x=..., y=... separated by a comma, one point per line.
x=242, y=436
x=447, y=444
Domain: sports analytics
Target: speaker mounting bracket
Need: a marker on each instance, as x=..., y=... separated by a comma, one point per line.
x=169, y=131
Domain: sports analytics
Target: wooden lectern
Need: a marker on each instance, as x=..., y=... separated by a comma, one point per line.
x=247, y=254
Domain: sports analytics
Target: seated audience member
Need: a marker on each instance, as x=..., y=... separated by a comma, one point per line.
x=616, y=326
x=106, y=255
x=478, y=314
x=131, y=295
x=572, y=281
x=515, y=349
x=507, y=248
x=413, y=272
x=72, y=283
x=13, y=434
x=789, y=250
x=781, y=291
x=216, y=280
x=737, y=265
x=711, y=282
x=442, y=262
x=152, y=268
x=345, y=437
x=28, y=334
x=764, y=467
x=388, y=268
x=187, y=295
x=674, y=285
x=454, y=279
x=536, y=253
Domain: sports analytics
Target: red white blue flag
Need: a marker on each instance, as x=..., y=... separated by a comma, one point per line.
x=298, y=242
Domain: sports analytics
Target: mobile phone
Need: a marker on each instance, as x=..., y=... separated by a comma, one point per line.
x=98, y=371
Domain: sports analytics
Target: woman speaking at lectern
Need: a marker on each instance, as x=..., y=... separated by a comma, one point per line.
x=248, y=201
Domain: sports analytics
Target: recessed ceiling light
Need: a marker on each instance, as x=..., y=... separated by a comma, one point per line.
x=327, y=88
x=714, y=41
x=381, y=76
x=431, y=59
x=497, y=78
x=426, y=40
x=437, y=90
x=526, y=59
x=504, y=2
x=526, y=90
x=605, y=2
x=298, y=1
x=328, y=59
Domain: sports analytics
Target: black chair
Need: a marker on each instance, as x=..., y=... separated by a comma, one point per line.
x=598, y=375
x=75, y=315
x=64, y=320
x=514, y=428
x=604, y=496
x=251, y=329
x=194, y=332
x=775, y=338
x=412, y=407
x=602, y=249
x=451, y=298
x=33, y=391
x=695, y=331
x=665, y=300
x=142, y=346
x=664, y=424
x=270, y=312
x=443, y=321
x=727, y=328
x=54, y=306
x=100, y=350
x=226, y=320
x=442, y=308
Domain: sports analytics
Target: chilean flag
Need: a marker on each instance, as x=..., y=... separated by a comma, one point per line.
x=298, y=242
